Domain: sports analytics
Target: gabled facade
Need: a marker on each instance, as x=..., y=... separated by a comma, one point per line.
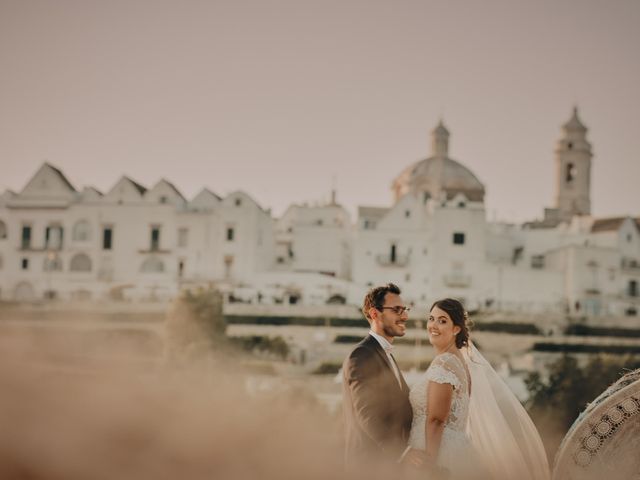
x=434, y=241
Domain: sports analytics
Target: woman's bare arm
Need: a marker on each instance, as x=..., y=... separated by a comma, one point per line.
x=438, y=407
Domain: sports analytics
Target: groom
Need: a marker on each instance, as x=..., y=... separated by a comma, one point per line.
x=375, y=396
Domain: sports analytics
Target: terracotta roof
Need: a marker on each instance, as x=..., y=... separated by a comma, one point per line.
x=372, y=212
x=611, y=224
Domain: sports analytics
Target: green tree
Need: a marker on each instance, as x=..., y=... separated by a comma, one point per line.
x=555, y=402
x=195, y=323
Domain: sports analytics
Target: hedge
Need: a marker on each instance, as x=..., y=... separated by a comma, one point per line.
x=505, y=327
x=582, y=348
x=586, y=330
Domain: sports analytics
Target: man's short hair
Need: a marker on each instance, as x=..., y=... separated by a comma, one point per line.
x=375, y=297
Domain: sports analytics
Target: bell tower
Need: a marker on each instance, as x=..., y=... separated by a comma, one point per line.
x=573, y=170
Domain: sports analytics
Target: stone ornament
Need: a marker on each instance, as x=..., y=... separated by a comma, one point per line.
x=604, y=441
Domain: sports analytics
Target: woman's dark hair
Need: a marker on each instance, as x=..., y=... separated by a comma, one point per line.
x=458, y=316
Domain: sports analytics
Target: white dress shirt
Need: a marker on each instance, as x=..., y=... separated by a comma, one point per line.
x=388, y=348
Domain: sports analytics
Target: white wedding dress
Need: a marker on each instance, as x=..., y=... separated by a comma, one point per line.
x=488, y=433
x=456, y=452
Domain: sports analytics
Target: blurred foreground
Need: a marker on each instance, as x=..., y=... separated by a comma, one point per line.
x=78, y=403
x=62, y=419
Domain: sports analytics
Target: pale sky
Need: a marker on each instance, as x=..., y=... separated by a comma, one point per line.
x=277, y=98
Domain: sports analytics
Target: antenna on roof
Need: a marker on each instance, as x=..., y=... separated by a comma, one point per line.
x=333, y=189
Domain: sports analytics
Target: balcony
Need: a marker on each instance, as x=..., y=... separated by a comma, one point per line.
x=457, y=280
x=395, y=261
x=155, y=250
x=630, y=264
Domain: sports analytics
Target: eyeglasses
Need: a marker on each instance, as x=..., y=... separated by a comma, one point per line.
x=398, y=310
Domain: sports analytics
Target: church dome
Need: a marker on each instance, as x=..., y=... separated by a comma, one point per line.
x=438, y=174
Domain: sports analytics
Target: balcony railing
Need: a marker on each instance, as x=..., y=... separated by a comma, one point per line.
x=457, y=280
x=630, y=264
x=396, y=261
x=155, y=250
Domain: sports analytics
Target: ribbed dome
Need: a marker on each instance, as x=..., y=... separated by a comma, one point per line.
x=439, y=174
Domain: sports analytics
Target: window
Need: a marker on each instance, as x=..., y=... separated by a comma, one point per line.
x=183, y=237
x=518, y=252
x=50, y=294
x=461, y=204
x=238, y=202
x=3, y=230
x=632, y=289
x=425, y=197
x=537, y=261
x=570, y=173
x=155, y=238
x=458, y=238
x=570, y=146
x=52, y=263
x=294, y=298
x=164, y=199
x=26, y=237
x=81, y=231
x=24, y=263
x=80, y=263
x=407, y=213
x=393, y=253
x=228, y=264
x=53, y=237
x=107, y=238
x=180, y=268
x=230, y=234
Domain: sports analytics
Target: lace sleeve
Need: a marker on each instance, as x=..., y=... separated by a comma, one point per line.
x=442, y=370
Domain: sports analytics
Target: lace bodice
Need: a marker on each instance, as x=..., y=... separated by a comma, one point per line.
x=445, y=368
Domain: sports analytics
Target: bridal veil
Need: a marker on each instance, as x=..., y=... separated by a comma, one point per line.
x=499, y=427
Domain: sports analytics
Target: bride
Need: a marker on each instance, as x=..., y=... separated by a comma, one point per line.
x=465, y=418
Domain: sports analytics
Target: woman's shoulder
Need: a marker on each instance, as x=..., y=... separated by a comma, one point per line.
x=443, y=370
x=446, y=358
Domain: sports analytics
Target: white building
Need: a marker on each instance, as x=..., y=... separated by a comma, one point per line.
x=130, y=243
x=434, y=240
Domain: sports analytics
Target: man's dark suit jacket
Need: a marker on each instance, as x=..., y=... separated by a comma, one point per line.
x=377, y=411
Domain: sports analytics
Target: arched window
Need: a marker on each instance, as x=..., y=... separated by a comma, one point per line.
x=337, y=299
x=24, y=292
x=3, y=230
x=81, y=231
x=80, y=263
x=570, y=173
x=152, y=265
x=52, y=263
